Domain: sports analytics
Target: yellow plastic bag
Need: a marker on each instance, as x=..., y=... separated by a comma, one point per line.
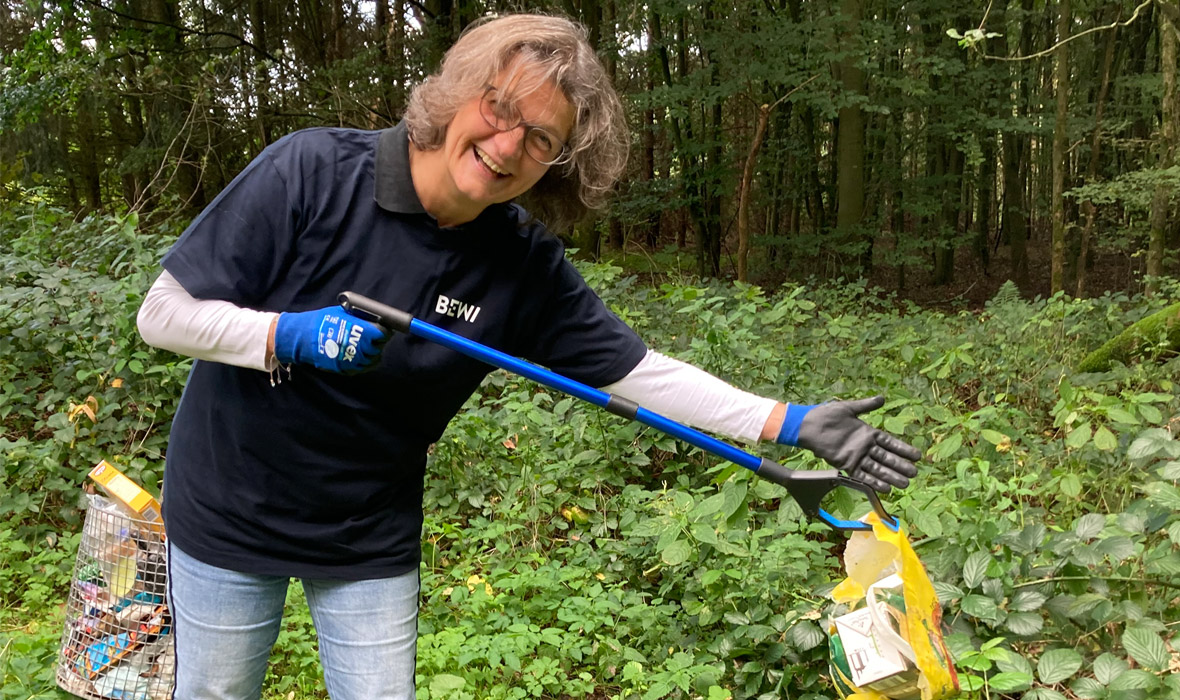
x=869, y=558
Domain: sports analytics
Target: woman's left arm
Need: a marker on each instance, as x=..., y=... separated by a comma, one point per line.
x=832, y=431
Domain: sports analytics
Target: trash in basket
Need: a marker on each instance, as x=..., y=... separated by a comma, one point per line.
x=117, y=641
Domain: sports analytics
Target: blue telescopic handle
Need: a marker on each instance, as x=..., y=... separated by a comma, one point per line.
x=808, y=488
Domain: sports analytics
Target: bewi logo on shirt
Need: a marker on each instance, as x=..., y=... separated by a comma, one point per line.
x=456, y=309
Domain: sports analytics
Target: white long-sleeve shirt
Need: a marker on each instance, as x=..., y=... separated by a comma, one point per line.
x=219, y=331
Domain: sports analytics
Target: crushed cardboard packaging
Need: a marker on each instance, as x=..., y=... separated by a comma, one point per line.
x=131, y=496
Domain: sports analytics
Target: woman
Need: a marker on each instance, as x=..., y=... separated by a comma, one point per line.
x=276, y=470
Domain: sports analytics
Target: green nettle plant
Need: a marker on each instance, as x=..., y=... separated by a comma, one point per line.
x=570, y=554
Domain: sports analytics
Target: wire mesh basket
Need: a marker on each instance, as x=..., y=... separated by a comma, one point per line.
x=117, y=641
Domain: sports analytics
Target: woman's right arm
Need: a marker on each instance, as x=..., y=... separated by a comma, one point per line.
x=207, y=329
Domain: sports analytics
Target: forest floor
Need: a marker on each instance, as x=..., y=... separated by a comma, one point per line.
x=972, y=285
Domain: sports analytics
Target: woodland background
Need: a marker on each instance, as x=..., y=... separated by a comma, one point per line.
x=947, y=205
x=915, y=144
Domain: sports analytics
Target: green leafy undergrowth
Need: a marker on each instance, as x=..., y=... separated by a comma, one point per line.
x=571, y=554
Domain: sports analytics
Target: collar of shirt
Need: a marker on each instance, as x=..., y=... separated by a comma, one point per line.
x=395, y=189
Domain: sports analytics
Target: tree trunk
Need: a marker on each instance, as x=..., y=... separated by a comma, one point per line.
x=944, y=253
x=744, y=194
x=985, y=203
x=1016, y=156
x=815, y=186
x=1092, y=170
x=850, y=132
x=1060, y=148
x=587, y=238
x=86, y=167
x=125, y=136
x=89, y=169
x=651, y=227
x=1169, y=113
x=258, y=28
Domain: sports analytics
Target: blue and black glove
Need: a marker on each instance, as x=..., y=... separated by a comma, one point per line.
x=833, y=433
x=330, y=338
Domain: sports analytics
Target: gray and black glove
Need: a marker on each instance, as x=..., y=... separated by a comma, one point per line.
x=834, y=433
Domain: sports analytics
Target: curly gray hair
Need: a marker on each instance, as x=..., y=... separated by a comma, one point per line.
x=537, y=49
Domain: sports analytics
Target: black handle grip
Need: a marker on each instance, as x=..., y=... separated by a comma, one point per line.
x=371, y=310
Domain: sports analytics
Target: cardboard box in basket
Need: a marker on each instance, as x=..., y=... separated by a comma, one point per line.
x=128, y=494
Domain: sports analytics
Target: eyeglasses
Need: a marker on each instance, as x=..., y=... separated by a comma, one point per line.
x=540, y=143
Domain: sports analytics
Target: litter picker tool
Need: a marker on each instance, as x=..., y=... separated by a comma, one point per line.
x=808, y=488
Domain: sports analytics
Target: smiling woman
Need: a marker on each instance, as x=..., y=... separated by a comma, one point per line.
x=319, y=475
x=485, y=157
x=529, y=53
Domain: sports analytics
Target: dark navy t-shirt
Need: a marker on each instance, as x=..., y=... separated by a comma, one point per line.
x=321, y=476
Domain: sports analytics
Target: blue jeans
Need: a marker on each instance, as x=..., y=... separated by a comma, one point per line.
x=226, y=623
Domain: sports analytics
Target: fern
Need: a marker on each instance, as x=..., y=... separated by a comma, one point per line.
x=1008, y=293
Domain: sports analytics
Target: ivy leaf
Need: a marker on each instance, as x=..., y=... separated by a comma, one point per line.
x=1104, y=439
x=1024, y=623
x=1056, y=665
x=1146, y=647
x=1010, y=682
x=975, y=568
x=1108, y=667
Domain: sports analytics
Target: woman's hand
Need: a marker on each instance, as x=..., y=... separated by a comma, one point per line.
x=330, y=338
x=834, y=433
